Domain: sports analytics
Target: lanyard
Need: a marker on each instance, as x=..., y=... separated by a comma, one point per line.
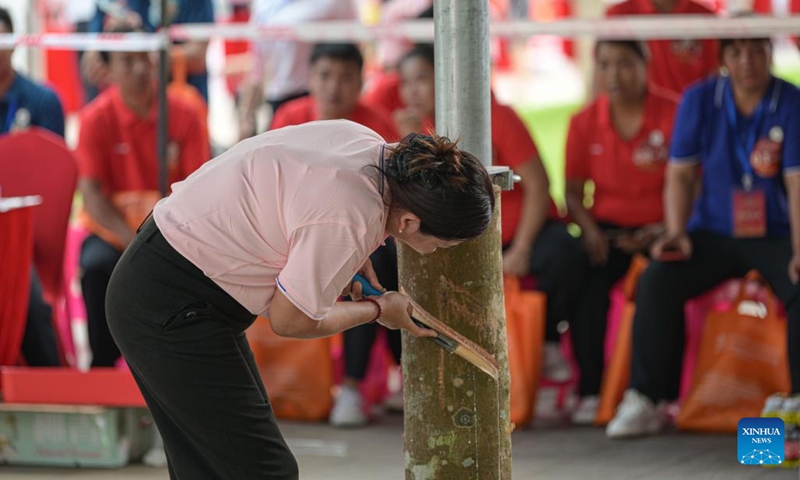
x=12, y=112
x=743, y=150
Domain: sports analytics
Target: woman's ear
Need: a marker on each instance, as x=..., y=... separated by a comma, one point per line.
x=409, y=223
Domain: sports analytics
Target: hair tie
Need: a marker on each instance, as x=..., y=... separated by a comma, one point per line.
x=399, y=166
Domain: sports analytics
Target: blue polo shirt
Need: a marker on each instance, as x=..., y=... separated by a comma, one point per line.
x=704, y=133
x=189, y=11
x=41, y=104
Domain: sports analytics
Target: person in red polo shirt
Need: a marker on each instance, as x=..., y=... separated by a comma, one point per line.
x=620, y=143
x=674, y=63
x=118, y=176
x=334, y=83
x=535, y=242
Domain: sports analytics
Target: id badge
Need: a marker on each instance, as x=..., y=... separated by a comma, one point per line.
x=749, y=214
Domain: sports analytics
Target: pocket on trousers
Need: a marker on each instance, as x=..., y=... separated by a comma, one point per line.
x=188, y=312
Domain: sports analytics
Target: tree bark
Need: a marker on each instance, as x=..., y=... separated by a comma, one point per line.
x=456, y=417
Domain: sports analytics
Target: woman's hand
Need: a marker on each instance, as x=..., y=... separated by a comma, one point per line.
x=672, y=247
x=640, y=240
x=517, y=261
x=354, y=290
x=396, y=314
x=596, y=243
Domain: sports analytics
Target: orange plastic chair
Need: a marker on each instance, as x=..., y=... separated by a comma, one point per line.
x=37, y=162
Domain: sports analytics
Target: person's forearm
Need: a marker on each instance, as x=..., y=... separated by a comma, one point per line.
x=103, y=212
x=343, y=316
x=793, y=192
x=678, y=198
x=249, y=100
x=535, y=206
x=580, y=215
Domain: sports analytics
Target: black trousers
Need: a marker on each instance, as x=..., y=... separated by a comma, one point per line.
x=358, y=341
x=591, y=314
x=183, y=338
x=98, y=259
x=39, y=345
x=558, y=263
x=658, y=329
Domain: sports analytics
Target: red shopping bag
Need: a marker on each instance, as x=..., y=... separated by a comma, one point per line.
x=742, y=360
x=298, y=374
x=525, y=317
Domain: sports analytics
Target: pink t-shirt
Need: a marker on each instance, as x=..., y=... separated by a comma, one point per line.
x=296, y=208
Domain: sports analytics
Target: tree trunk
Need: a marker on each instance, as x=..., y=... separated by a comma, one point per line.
x=456, y=417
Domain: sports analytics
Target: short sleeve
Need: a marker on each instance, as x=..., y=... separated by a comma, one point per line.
x=322, y=259
x=576, y=165
x=91, y=151
x=686, y=133
x=511, y=139
x=791, y=142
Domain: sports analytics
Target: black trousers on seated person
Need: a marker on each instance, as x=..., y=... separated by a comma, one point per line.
x=557, y=261
x=658, y=329
x=358, y=341
x=98, y=259
x=590, y=320
x=183, y=338
x=39, y=345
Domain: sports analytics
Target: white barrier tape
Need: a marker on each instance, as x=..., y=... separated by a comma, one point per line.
x=636, y=27
x=121, y=42
x=656, y=27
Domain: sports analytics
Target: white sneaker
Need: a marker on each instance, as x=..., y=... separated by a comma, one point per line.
x=556, y=367
x=348, y=411
x=586, y=411
x=636, y=416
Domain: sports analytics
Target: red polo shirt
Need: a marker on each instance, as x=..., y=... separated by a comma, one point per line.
x=384, y=91
x=628, y=175
x=118, y=148
x=674, y=64
x=304, y=110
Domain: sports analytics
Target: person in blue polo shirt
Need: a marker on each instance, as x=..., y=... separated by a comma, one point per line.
x=24, y=103
x=743, y=129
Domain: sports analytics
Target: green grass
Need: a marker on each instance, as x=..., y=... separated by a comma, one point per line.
x=791, y=74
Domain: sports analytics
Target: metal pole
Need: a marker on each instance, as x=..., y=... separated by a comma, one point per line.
x=462, y=74
x=163, y=79
x=457, y=418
